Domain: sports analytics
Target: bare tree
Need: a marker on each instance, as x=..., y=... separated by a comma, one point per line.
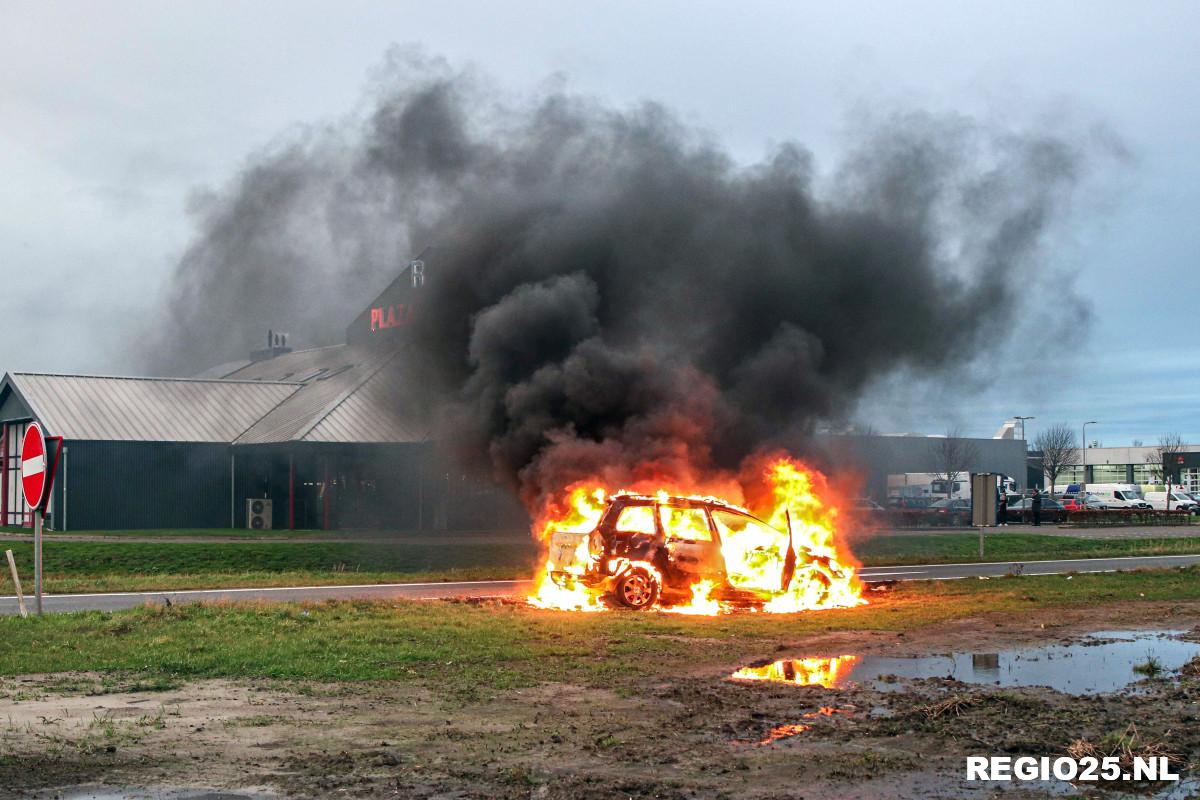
x=1169, y=446
x=1059, y=451
x=952, y=456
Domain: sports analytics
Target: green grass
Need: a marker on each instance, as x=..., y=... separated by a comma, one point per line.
x=964, y=547
x=462, y=651
x=116, y=566
x=223, y=533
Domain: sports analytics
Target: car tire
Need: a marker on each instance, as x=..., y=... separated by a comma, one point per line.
x=636, y=588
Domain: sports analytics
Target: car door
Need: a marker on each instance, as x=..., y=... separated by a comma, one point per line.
x=754, y=553
x=691, y=547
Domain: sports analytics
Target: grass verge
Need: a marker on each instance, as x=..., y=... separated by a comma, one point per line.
x=964, y=548
x=135, y=566
x=462, y=650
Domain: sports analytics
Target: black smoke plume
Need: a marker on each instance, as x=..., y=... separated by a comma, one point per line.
x=612, y=293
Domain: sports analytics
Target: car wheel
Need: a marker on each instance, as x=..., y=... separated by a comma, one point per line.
x=636, y=588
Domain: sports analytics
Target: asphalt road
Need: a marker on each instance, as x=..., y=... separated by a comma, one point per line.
x=431, y=591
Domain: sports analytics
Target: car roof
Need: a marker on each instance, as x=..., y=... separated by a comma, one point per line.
x=715, y=503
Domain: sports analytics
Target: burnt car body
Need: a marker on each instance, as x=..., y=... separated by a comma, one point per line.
x=646, y=549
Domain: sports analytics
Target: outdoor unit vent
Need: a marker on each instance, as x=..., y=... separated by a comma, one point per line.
x=258, y=513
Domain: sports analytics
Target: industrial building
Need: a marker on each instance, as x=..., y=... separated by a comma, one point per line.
x=315, y=439
x=1140, y=465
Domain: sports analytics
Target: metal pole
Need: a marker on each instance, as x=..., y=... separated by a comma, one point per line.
x=3, y=474
x=291, y=492
x=1083, y=458
x=232, y=499
x=37, y=560
x=64, y=488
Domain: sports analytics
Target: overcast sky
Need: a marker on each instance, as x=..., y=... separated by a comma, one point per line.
x=113, y=114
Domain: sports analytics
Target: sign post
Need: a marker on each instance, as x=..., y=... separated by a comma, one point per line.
x=37, y=476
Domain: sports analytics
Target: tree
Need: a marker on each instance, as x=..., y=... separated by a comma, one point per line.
x=1169, y=446
x=952, y=456
x=1059, y=451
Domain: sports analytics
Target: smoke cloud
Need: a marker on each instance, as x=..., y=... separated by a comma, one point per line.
x=611, y=293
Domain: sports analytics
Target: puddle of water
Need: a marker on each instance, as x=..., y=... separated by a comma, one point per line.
x=795, y=729
x=1102, y=662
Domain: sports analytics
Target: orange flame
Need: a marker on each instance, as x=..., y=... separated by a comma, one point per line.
x=755, y=557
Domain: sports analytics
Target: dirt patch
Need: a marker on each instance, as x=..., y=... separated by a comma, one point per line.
x=669, y=736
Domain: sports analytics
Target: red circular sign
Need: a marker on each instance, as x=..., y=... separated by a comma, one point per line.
x=33, y=465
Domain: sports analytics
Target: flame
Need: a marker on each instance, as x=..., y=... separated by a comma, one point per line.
x=831, y=673
x=797, y=728
x=753, y=558
x=784, y=732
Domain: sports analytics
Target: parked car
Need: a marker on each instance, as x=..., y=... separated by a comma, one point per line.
x=1178, y=500
x=865, y=505
x=1095, y=502
x=1072, y=502
x=1081, y=501
x=956, y=511
x=1052, y=511
x=900, y=501
x=645, y=548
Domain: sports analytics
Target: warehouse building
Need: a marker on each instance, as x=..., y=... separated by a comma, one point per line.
x=313, y=439
x=1141, y=465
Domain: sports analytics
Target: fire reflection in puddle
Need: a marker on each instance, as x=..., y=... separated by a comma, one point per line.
x=828, y=672
x=796, y=728
x=1103, y=661
x=783, y=732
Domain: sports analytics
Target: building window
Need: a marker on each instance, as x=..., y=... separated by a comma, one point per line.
x=1068, y=475
x=1147, y=474
x=1109, y=473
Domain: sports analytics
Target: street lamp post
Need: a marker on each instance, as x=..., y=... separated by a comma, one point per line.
x=1083, y=457
x=1022, y=421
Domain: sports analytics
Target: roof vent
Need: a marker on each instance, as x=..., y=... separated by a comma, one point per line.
x=277, y=345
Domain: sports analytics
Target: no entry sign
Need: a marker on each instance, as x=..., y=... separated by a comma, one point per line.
x=34, y=466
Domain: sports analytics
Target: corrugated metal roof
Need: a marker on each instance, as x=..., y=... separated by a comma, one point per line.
x=301, y=365
x=358, y=404
x=295, y=415
x=379, y=410
x=148, y=409
x=222, y=370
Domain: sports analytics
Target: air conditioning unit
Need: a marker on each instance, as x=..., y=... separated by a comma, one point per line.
x=258, y=513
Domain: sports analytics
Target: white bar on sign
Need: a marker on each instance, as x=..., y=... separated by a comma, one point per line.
x=34, y=466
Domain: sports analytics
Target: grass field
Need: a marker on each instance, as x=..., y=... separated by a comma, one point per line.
x=964, y=547
x=99, y=566
x=462, y=649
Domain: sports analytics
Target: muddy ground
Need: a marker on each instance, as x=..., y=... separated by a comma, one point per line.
x=692, y=735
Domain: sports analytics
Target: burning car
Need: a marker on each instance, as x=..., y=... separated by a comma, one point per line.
x=678, y=550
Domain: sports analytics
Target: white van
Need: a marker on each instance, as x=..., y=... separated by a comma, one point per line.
x=1178, y=500
x=1119, y=495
